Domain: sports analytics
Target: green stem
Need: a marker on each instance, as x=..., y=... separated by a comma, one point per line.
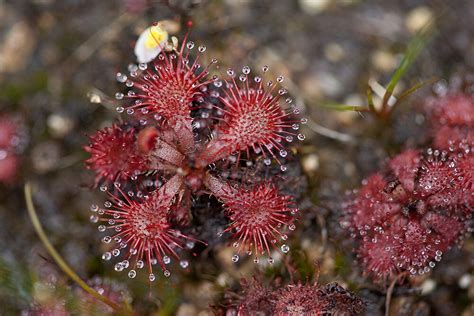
x=57, y=257
x=417, y=86
x=370, y=100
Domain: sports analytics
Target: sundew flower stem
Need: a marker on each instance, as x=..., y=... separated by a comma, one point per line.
x=122, y=310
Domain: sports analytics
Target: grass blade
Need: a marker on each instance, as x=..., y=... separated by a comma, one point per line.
x=57, y=257
x=413, y=50
x=343, y=107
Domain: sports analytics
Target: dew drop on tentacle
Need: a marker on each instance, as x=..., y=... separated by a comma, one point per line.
x=107, y=256
x=121, y=77
x=119, y=267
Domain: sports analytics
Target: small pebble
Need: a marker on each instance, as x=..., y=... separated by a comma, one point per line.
x=310, y=163
x=384, y=60
x=465, y=281
x=428, y=286
x=417, y=18
x=334, y=52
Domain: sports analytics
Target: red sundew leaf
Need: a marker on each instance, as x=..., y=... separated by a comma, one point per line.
x=371, y=205
x=8, y=132
x=142, y=227
x=146, y=139
x=254, y=119
x=453, y=137
x=298, y=299
x=452, y=121
x=436, y=176
x=257, y=216
x=114, y=154
x=170, y=88
x=8, y=167
x=405, y=166
x=452, y=110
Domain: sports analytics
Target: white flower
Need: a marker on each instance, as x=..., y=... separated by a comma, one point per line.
x=150, y=43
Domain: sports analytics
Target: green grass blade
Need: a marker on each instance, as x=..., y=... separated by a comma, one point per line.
x=413, y=50
x=414, y=88
x=343, y=107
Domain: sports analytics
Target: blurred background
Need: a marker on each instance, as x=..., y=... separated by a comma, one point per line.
x=58, y=60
